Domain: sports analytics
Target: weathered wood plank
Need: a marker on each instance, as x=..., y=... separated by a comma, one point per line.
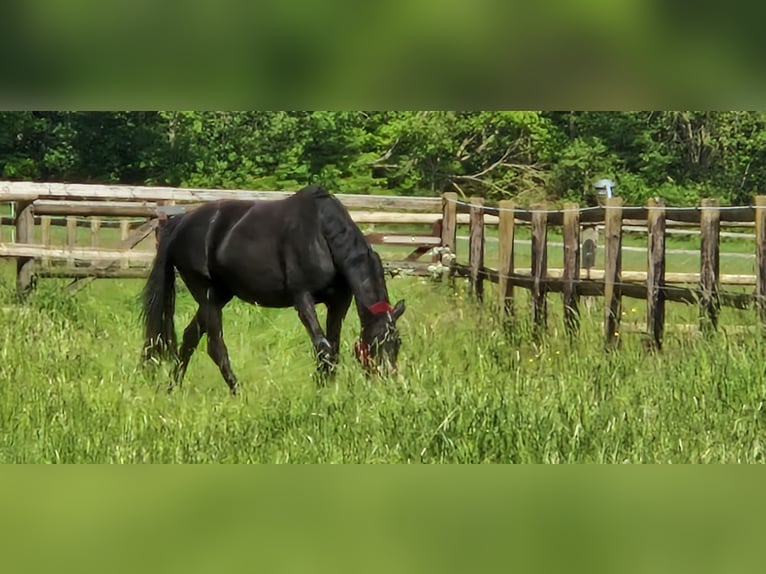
x=506, y=256
x=45, y=232
x=449, y=221
x=71, y=235
x=476, y=246
x=571, y=239
x=95, y=231
x=33, y=251
x=25, y=264
x=30, y=191
x=760, y=257
x=87, y=208
x=655, y=276
x=709, y=263
x=124, y=234
x=612, y=269
x=588, y=287
x=539, y=267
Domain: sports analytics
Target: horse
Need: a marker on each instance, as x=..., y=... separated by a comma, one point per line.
x=299, y=251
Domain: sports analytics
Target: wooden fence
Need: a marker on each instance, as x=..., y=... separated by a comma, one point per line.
x=654, y=285
x=44, y=210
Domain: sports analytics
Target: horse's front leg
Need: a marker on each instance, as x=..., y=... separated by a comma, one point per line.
x=337, y=308
x=304, y=304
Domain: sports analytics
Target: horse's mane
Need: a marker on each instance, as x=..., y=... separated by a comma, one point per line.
x=350, y=250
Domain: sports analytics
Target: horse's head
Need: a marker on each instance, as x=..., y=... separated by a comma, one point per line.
x=378, y=347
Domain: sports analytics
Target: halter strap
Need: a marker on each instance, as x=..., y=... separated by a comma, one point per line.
x=380, y=307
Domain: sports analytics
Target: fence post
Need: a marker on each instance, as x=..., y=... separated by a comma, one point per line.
x=571, y=266
x=655, y=271
x=25, y=228
x=45, y=233
x=710, y=228
x=612, y=270
x=539, y=266
x=505, y=265
x=95, y=231
x=449, y=220
x=71, y=236
x=476, y=246
x=760, y=257
x=124, y=232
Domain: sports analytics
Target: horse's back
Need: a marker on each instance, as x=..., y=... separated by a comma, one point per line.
x=262, y=251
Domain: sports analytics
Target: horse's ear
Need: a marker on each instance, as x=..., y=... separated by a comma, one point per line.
x=398, y=310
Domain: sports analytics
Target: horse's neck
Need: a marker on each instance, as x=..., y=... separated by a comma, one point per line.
x=367, y=284
x=356, y=261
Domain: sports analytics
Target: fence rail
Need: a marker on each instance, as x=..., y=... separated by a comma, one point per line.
x=32, y=191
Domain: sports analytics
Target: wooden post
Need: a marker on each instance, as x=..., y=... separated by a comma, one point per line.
x=95, y=234
x=655, y=271
x=124, y=232
x=95, y=231
x=25, y=227
x=710, y=227
x=449, y=221
x=612, y=270
x=71, y=236
x=45, y=232
x=505, y=265
x=476, y=246
x=539, y=266
x=571, y=266
x=760, y=257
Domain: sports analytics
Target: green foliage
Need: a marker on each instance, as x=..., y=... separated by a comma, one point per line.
x=526, y=155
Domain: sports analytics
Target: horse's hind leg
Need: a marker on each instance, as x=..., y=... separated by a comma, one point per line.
x=208, y=319
x=304, y=304
x=192, y=335
x=216, y=347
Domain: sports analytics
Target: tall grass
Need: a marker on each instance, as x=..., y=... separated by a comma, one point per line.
x=470, y=388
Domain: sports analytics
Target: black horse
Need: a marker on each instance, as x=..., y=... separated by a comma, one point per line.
x=298, y=251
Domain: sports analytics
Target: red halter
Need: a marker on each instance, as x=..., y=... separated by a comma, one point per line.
x=380, y=307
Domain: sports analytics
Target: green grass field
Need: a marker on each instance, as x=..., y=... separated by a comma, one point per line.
x=469, y=389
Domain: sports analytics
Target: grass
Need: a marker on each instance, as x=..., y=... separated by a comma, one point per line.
x=470, y=389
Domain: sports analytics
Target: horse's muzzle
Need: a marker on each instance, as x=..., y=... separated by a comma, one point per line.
x=372, y=365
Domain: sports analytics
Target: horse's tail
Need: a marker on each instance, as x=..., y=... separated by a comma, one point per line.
x=159, y=301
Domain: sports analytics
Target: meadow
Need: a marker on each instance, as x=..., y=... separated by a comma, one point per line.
x=471, y=388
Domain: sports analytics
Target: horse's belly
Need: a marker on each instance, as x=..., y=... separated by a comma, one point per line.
x=261, y=288
x=264, y=273
x=273, y=290
x=268, y=299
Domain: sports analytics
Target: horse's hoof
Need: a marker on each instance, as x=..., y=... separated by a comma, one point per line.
x=325, y=357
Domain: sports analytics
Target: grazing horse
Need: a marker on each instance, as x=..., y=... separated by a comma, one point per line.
x=298, y=251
